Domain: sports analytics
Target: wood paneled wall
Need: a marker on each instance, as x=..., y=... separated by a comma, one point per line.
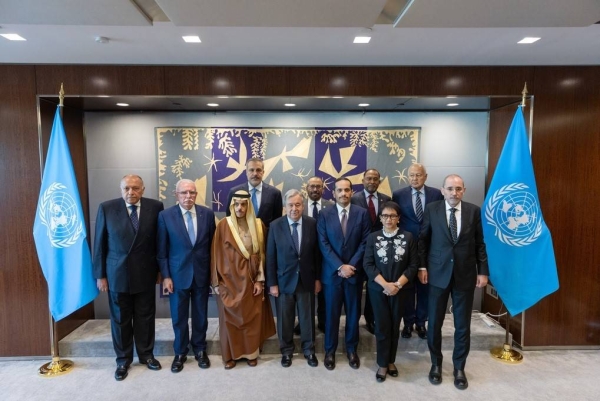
x=565, y=152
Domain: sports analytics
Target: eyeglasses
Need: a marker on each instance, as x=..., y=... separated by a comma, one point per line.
x=389, y=216
x=193, y=193
x=315, y=186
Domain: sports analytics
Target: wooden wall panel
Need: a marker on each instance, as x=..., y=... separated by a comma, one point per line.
x=444, y=81
x=24, y=316
x=328, y=81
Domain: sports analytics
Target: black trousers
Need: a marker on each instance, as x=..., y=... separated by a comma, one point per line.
x=132, y=319
x=462, y=306
x=387, y=312
x=286, y=305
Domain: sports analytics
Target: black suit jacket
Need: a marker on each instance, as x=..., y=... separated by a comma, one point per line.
x=127, y=259
x=444, y=259
x=359, y=199
x=271, y=203
x=284, y=263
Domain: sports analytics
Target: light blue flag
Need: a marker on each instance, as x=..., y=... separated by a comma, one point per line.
x=59, y=231
x=519, y=245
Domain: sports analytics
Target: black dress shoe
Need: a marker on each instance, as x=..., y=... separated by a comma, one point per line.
x=121, y=372
x=312, y=360
x=370, y=327
x=152, y=364
x=380, y=375
x=353, y=360
x=460, y=379
x=422, y=332
x=297, y=329
x=286, y=361
x=177, y=364
x=393, y=370
x=435, y=375
x=406, y=331
x=203, y=361
x=329, y=361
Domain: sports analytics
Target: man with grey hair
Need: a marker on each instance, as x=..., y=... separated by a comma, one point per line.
x=185, y=233
x=294, y=268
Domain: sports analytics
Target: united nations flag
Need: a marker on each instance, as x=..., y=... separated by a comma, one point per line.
x=59, y=231
x=519, y=245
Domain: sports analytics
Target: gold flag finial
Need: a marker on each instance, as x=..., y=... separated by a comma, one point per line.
x=524, y=93
x=61, y=95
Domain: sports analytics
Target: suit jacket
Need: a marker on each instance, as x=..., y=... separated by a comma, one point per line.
x=444, y=259
x=284, y=264
x=324, y=205
x=126, y=258
x=404, y=198
x=383, y=256
x=178, y=258
x=337, y=249
x=271, y=202
x=359, y=199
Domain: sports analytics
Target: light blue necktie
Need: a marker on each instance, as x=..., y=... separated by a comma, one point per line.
x=190, y=227
x=254, y=201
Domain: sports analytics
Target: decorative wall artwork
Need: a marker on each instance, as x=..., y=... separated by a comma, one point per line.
x=215, y=157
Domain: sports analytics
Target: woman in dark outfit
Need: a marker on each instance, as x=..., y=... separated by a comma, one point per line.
x=390, y=263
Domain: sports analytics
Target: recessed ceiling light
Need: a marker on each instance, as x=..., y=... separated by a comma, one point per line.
x=223, y=97
x=362, y=39
x=103, y=96
x=528, y=40
x=290, y=105
x=13, y=36
x=452, y=104
x=192, y=39
x=451, y=97
x=123, y=104
x=363, y=105
x=337, y=97
x=212, y=104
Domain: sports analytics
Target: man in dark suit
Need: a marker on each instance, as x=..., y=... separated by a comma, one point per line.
x=265, y=198
x=293, y=265
x=343, y=232
x=371, y=200
x=185, y=233
x=125, y=266
x=453, y=261
x=312, y=207
x=412, y=201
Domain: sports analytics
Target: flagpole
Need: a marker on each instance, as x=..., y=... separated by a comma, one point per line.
x=506, y=353
x=57, y=367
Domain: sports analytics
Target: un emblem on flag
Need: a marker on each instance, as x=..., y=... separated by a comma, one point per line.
x=57, y=210
x=515, y=213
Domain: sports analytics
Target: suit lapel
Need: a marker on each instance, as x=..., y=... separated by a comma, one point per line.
x=441, y=211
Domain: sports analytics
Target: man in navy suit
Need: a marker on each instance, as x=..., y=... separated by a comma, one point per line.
x=343, y=232
x=453, y=261
x=371, y=200
x=293, y=264
x=185, y=233
x=265, y=198
x=125, y=266
x=412, y=201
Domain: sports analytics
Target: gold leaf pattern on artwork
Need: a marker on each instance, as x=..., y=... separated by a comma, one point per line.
x=226, y=144
x=402, y=177
x=180, y=164
x=209, y=134
x=189, y=139
x=358, y=138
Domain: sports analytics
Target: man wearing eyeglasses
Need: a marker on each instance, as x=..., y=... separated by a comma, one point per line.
x=185, y=233
x=412, y=201
x=453, y=260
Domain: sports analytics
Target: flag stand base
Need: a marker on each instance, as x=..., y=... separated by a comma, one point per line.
x=506, y=354
x=56, y=368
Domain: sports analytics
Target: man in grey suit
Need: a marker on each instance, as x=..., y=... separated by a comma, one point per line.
x=265, y=198
x=371, y=200
x=125, y=265
x=453, y=261
x=412, y=201
x=294, y=267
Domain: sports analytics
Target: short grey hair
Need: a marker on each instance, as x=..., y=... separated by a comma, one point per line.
x=289, y=194
x=182, y=181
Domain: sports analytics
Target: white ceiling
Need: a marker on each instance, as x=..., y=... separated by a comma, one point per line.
x=302, y=32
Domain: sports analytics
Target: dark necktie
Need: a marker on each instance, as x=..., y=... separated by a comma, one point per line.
x=315, y=210
x=254, y=201
x=295, y=237
x=419, y=207
x=372, y=211
x=344, y=221
x=453, y=225
x=134, y=218
x=190, y=227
